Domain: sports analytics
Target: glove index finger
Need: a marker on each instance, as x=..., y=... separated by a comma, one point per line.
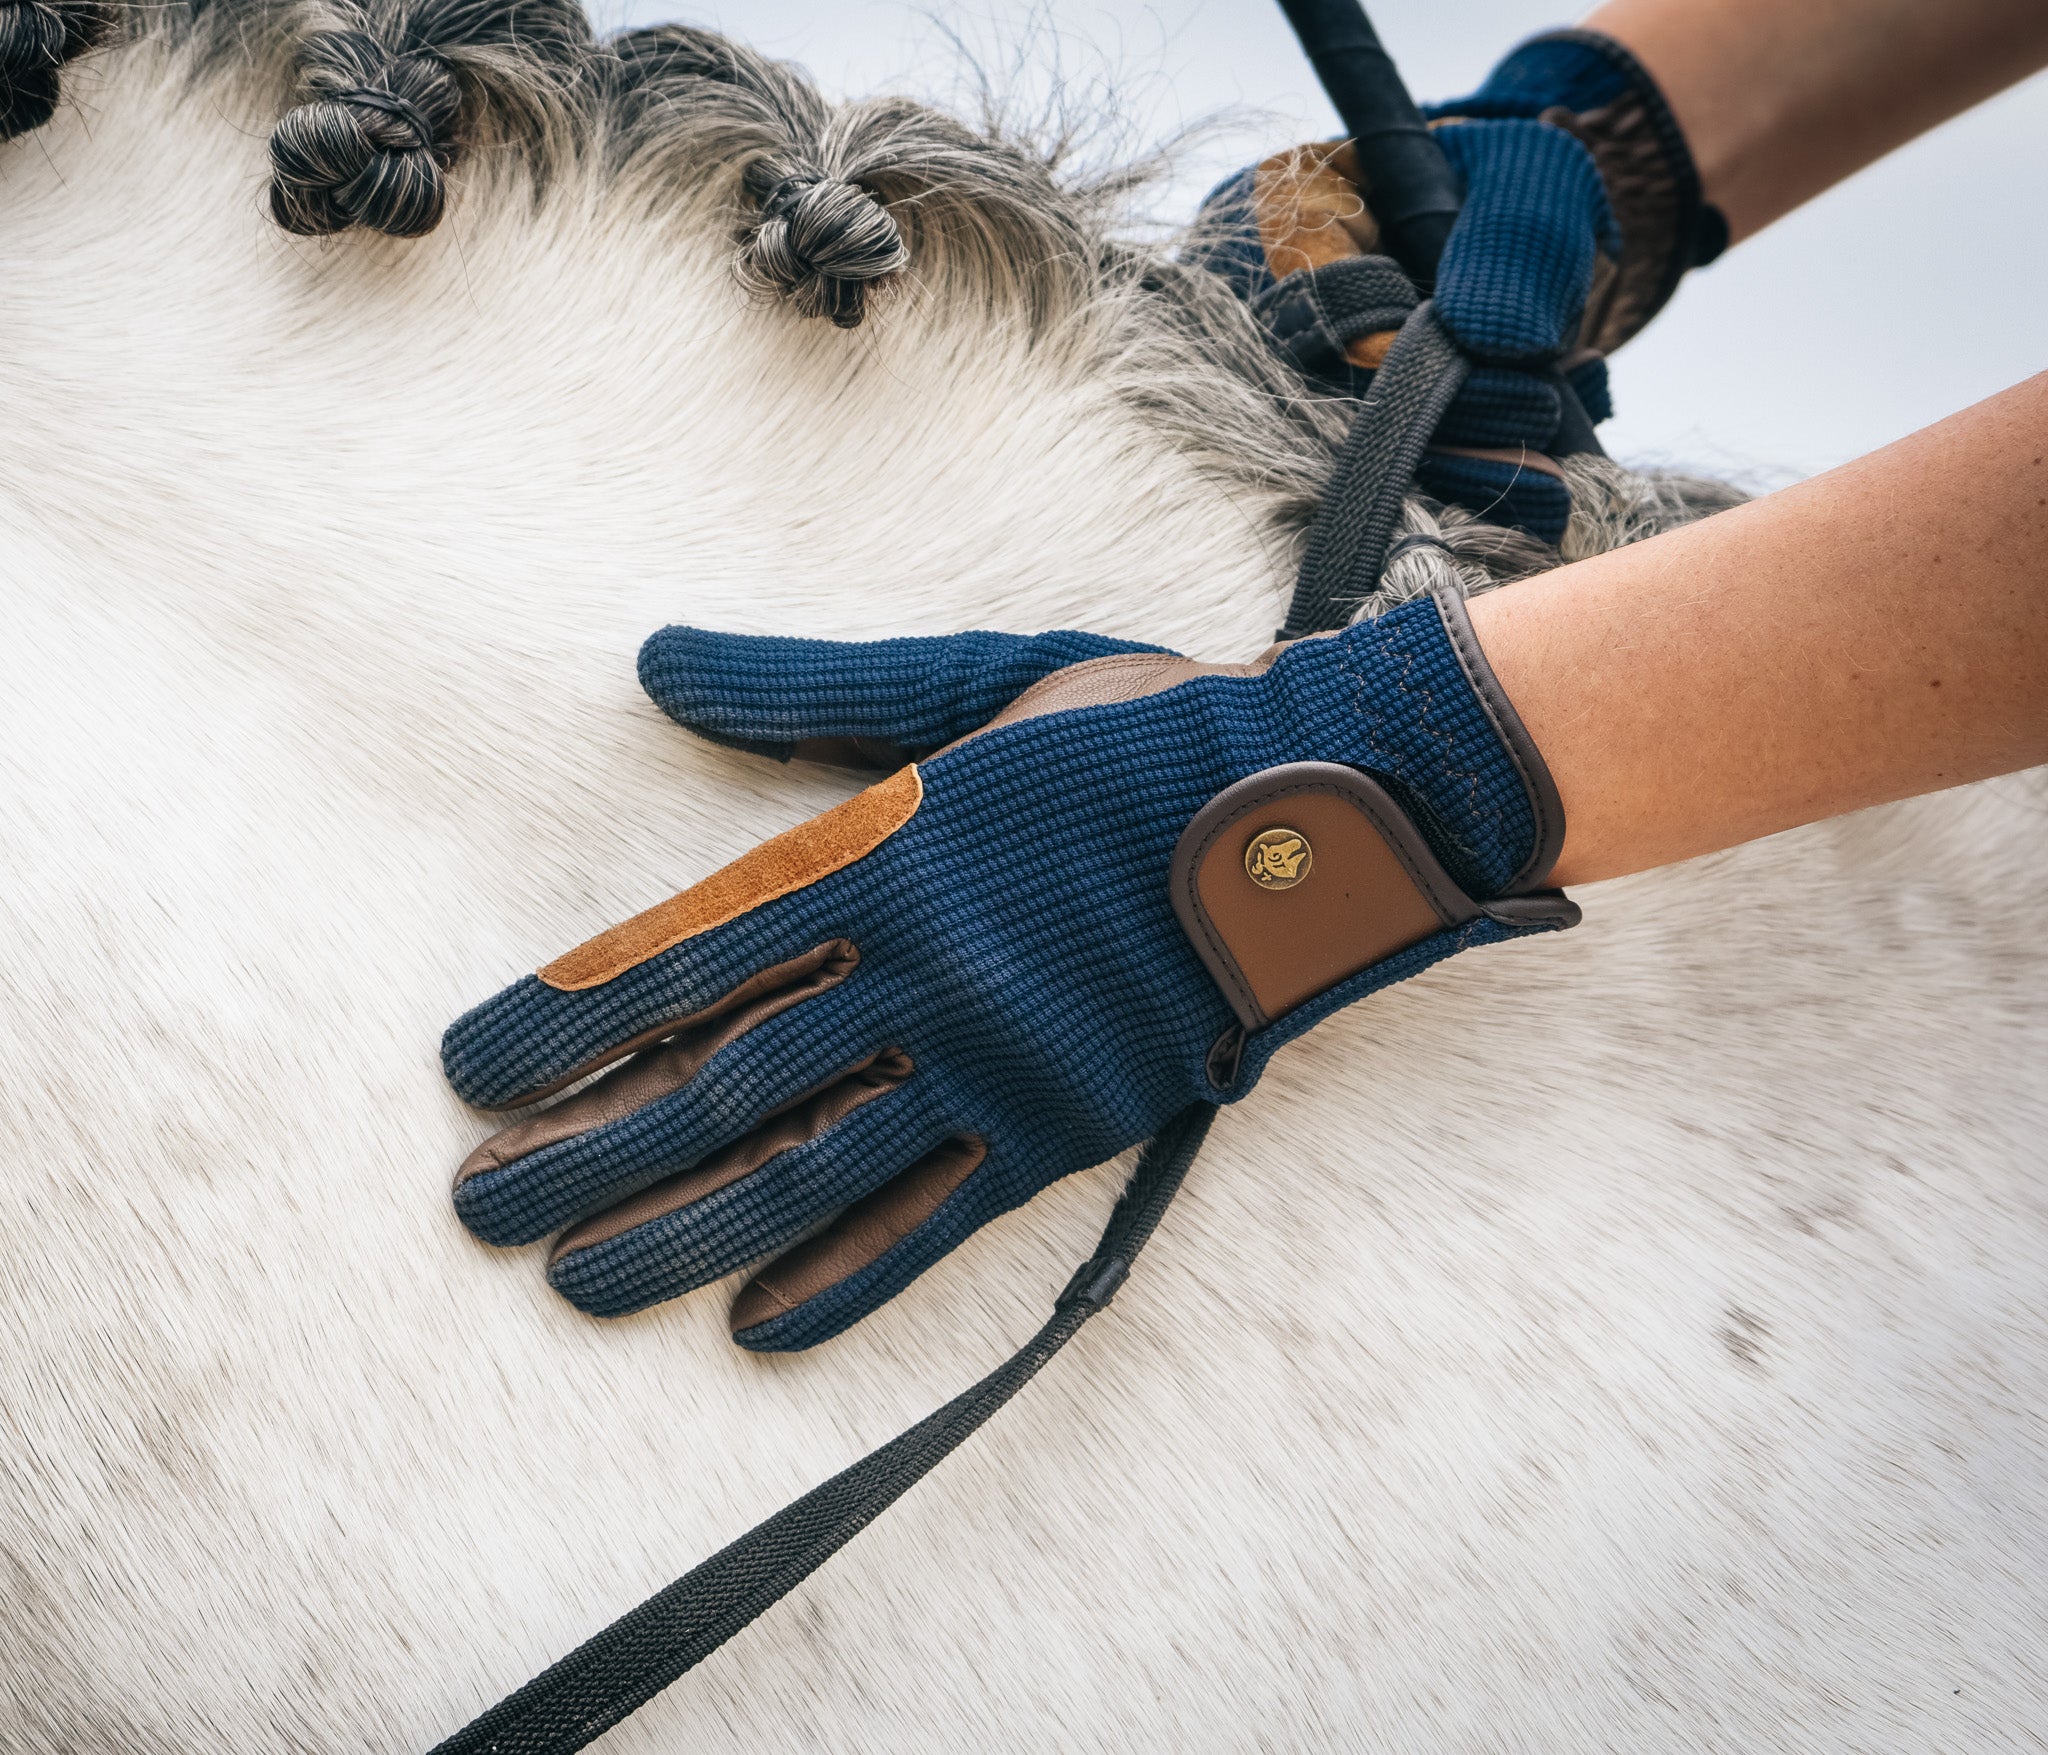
x=601, y=1001
x=856, y=704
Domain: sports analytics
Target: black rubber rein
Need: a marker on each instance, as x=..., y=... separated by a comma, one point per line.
x=616, y=1672
x=1415, y=193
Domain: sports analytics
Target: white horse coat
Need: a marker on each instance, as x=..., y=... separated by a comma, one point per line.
x=1629, y=1341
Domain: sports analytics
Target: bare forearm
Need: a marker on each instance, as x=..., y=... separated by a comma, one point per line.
x=1780, y=99
x=1875, y=633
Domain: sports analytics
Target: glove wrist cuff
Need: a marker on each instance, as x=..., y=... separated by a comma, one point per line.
x=1409, y=697
x=1297, y=879
x=1546, y=807
x=1595, y=89
x=1311, y=883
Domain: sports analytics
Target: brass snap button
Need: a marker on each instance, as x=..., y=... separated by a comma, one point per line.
x=1278, y=859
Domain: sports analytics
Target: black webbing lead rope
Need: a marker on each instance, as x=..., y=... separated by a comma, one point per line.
x=1347, y=543
x=616, y=1672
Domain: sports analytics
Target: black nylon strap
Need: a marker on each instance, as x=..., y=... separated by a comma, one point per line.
x=1415, y=193
x=619, y=1670
x=1315, y=313
x=1347, y=543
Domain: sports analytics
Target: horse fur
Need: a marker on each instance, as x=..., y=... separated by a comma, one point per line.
x=1626, y=1341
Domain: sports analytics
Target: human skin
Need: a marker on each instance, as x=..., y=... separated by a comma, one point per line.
x=1781, y=99
x=1871, y=634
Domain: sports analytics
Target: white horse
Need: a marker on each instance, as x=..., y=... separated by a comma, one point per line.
x=1629, y=1341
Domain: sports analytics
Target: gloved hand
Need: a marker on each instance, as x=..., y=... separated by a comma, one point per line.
x=1121, y=882
x=1582, y=210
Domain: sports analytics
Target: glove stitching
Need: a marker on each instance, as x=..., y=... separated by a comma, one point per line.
x=1365, y=708
x=1449, y=770
x=1488, y=692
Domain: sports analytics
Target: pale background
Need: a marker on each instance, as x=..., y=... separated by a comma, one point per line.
x=1906, y=293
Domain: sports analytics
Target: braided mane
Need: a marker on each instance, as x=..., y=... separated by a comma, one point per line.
x=391, y=114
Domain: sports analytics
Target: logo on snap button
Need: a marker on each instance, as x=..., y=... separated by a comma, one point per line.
x=1278, y=859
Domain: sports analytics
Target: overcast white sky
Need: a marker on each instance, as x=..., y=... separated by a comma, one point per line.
x=1908, y=292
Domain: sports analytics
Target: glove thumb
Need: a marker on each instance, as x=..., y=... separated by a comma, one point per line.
x=860, y=704
x=1519, y=262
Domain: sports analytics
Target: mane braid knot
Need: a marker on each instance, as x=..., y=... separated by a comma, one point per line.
x=351, y=153
x=394, y=106
x=37, y=37
x=818, y=241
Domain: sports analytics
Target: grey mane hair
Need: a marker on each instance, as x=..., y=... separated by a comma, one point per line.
x=37, y=38
x=833, y=203
x=984, y=223
x=832, y=209
x=1612, y=506
x=389, y=93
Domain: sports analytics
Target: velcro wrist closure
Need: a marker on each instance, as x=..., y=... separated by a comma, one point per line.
x=1298, y=878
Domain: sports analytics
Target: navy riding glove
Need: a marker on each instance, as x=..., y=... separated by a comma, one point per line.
x=1110, y=883
x=1582, y=210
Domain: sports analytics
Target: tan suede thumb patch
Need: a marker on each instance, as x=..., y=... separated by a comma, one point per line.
x=1308, y=208
x=790, y=862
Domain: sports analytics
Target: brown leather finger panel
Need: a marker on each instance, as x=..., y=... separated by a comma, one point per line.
x=797, y=1125
x=870, y=755
x=789, y=862
x=865, y=1232
x=677, y=1048
x=1104, y=682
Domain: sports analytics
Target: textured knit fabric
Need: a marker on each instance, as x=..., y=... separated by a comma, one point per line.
x=1510, y=289
x=914, y=693
x=1016, y=941
x=1502, y=407
x=1588, y=379
x=1539, y=230
x=1502, y=493
x=1519, y=263
x=1563, y=71
x=1594, y=88
x=1227, y=236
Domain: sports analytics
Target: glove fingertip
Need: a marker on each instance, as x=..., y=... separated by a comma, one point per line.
x=469, y=1056
x=868, y=1254
x=675, y=663
x=589, y=1288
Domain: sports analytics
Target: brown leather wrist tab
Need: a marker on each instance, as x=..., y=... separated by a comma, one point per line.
x=1300, y=877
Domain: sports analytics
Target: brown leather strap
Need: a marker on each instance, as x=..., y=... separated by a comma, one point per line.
x=1366, y=886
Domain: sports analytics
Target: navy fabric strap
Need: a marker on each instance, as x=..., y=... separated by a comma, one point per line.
x=613, y=1674
x=1315, y=313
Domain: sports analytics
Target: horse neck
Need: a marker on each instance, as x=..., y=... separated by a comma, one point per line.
x=548, y=419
